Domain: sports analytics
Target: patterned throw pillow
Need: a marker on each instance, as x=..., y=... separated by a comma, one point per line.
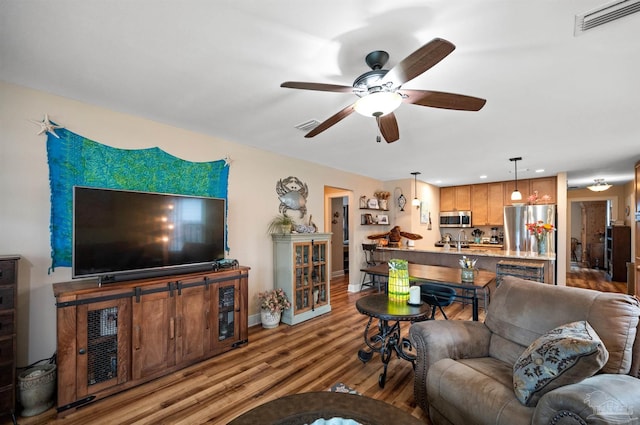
x=564, y=355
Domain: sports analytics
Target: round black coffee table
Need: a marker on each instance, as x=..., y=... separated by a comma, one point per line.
x=305, y=408
x=388, y=339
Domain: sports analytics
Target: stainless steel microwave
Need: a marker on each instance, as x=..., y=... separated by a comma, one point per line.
x=455, y=219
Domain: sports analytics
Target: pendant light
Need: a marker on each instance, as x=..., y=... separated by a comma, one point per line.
x=516, y=195
x=416, y=201
x=599, y=186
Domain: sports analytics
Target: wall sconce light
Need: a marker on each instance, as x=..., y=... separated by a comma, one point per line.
x=599, y=186
x=416, y=201
x=516, y=195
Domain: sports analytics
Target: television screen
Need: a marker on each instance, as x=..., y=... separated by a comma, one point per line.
x=117, y=232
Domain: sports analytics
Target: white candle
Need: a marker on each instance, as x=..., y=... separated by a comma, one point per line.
x=414, y=295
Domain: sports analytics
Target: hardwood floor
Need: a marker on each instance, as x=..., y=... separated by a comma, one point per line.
x=311, y=356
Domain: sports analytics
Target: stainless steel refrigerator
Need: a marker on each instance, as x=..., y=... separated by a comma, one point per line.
x=516, y=235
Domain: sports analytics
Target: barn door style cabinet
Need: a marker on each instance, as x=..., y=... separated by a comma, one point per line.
x=301, y=268
x=120, y=335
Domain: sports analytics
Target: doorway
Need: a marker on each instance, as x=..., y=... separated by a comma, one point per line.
x=589, y=219
x=337, y=208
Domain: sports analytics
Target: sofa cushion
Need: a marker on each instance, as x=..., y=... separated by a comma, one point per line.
x=520, y=311
x=474, y=391
x=564, y=355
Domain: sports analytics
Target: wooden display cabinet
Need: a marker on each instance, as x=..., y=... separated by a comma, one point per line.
x=8, y=303
x=301, y=268
x=120, y=335
x=617, y=252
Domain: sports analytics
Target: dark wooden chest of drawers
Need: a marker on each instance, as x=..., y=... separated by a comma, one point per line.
x=8, y=301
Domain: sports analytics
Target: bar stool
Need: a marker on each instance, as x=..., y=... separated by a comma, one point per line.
x=437, y=296
x=369, y=249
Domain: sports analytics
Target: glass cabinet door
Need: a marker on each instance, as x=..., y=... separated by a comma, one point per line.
x=303, y=277
x=102, y=344
x=320, y=289
x=227, y=301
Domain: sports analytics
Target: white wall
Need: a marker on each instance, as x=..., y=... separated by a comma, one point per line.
x=25, y=207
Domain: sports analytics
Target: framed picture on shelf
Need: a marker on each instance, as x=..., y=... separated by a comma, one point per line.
x=368, y=219
x=383, y=219
x=373, y=203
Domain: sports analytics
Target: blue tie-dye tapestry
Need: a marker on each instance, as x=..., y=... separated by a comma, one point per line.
x=77, y=161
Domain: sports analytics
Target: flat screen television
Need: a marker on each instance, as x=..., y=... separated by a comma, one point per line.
x=141, y=234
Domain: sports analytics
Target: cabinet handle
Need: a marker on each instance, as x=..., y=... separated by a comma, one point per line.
x=179, y=326
x=206, y=319
x=82, y=351
x=136, y=343
x=172, y=328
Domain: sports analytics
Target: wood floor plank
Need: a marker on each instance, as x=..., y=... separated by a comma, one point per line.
x=310, y=356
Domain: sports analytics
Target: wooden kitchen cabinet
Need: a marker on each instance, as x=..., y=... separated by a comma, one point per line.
x=487, y=204
x=509, y=186
x=455, y=198
x=120, y=335
x=480, y=205
x=495, y=204
x=545, y=186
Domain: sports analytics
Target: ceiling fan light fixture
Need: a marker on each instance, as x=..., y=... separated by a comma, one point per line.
x=378, y=103
x=599, y=186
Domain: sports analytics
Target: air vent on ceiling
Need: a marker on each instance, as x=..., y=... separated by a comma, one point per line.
x=604, y=14
x=308, y=125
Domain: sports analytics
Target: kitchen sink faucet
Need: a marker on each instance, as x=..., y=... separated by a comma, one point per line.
x=461, y=234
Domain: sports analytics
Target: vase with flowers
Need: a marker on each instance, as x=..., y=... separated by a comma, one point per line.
x=272, y=304
x=540, y=230
x=468, y=266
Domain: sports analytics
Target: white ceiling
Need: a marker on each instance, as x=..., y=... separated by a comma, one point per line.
x=563, y=103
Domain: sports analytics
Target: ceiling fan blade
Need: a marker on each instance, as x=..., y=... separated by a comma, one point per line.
x=419, y=61
x=334, y=119
x=388, y=126
x=437, y=99
x=317, y=86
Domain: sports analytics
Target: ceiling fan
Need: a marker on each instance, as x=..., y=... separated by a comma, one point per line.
x=380, y=90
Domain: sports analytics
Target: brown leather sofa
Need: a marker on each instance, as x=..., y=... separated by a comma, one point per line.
x=464, y=369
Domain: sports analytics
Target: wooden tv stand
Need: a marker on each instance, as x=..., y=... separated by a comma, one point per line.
x=116, y=336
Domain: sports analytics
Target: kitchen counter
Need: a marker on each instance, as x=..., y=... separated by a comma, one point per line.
x=487, y=258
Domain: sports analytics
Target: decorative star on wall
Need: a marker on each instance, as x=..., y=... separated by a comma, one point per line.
x=47, y=126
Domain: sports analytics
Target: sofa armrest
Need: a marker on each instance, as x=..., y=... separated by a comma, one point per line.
x=439, y=339
x=604, y=398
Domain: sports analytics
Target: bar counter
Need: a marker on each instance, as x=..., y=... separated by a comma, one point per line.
x=487, y=258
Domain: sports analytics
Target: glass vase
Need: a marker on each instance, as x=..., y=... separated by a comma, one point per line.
x=542, y=245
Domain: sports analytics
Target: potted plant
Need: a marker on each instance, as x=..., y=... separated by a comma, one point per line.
x=272, y=304
x=281, y=223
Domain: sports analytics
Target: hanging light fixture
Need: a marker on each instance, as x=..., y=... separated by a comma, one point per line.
x=516, y=195
x=416, y=201
x=599, y=185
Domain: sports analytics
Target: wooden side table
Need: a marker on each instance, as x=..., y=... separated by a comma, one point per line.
x=305, y=408
x=388, y=339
